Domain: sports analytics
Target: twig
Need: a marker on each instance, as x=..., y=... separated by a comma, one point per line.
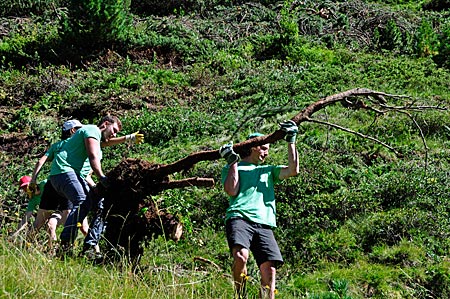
x=206, y=261
x=355, y=133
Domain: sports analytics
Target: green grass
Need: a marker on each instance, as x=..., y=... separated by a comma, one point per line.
x=27, y=272
x=357, y=222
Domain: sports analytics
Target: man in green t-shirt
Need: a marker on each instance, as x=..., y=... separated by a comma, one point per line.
x=67, y=171
x=251, y=214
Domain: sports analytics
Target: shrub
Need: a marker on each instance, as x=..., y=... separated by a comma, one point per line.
x=175, y=122
x=340, y=247
x=389, y=38
x=404, y=254
x=438, y=282
x=427, y=43
x=94, y=23
x=443, y=56
x=26, y=44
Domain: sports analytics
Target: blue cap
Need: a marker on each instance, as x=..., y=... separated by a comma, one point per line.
x=253, y=135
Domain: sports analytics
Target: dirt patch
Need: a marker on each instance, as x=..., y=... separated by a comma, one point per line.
x=164, y=56
x=21, y=145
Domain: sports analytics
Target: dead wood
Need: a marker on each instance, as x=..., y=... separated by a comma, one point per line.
x=206, y=261
x=351, y=99
x=190, y=182
x=134, y=180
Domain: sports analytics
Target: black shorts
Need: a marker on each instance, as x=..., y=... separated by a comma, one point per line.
x=52, y=201
x=258, y=238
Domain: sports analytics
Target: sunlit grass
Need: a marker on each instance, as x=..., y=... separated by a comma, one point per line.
x=27, y=272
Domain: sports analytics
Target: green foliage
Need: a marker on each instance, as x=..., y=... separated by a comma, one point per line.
x=341, y=246
x=439, y=280
x=357, y=222
x=153, y=7
x=26, y=8
x=393, y=2
x=302, y=51
x=29, y=271
x=442, y=58
x=436, y=5
x=339, y=290
x=174, y=36
x=405, y=254
x=427, y=43
x=181, y=123
x=91, y=23
x=24, y=43
x=389, y=38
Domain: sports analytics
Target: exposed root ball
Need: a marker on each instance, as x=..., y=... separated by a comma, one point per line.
x=132, y=217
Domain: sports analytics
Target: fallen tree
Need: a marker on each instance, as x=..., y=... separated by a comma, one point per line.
x=133, y=181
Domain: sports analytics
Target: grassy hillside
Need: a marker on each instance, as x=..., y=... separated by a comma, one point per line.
x=360, y=221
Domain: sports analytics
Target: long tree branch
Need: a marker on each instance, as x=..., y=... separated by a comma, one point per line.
x=375, y=97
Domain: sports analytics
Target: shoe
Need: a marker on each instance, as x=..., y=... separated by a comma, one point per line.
x=91, y=254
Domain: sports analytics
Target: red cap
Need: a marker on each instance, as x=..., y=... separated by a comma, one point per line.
x=24, y=181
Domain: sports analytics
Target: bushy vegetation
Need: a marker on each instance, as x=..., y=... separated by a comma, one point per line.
x=358, y=222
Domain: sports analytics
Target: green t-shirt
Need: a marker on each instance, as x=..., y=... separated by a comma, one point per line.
x=36, y=199
x=56, y=147
x=256, y=198
x=73, y=155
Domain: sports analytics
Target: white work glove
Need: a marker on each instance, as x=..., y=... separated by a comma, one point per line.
x=136, y=137
x=226, y=151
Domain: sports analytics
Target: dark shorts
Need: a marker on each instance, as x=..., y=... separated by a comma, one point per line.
x=258, y=238
x=52, y=201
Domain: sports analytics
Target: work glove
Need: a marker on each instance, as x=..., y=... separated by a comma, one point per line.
x=104, y=181
x=136, y=137
x=29, y=192
x=226, y=152
x=32, y=187
x=291, y=129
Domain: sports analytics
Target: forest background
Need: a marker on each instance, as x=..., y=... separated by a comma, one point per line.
x=362, y=220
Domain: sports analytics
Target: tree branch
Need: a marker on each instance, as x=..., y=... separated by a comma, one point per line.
x=375, y=97
x=190, y=182
x=356, y=133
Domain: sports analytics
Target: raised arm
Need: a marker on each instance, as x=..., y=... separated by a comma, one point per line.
x=293, y=168
x=231, y=184
x=291, y=130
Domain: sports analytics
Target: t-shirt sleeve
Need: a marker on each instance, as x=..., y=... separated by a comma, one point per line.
x=50, y=153
x=54, y=149
x=91, y=132
x=276, y=173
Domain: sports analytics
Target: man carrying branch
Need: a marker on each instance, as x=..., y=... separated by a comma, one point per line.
x=251, y=214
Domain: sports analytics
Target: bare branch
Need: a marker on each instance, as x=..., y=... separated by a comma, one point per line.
x=190, y=182
x=355, y=133
x=422, y=136
x=206, y=261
